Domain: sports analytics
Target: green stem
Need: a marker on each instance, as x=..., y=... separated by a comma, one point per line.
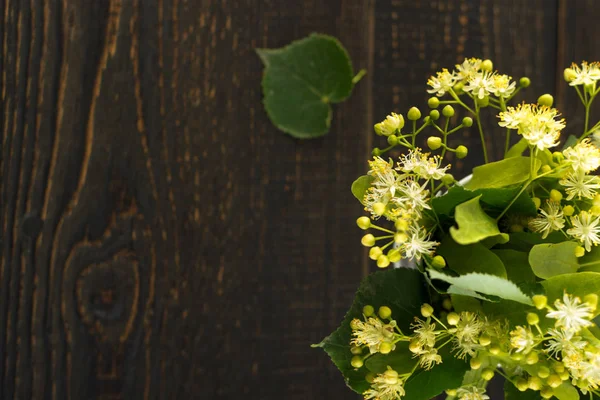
x=455, y=97
x=359, y=76
x=525, y=186
x=414, y=136
x=481, y=135
x=507, y=144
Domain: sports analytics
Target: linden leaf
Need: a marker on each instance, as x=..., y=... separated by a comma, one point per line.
x=502, y=173
x=548, y=260
x=300, y=82
x=474, y=224
x=360, y=187
x=484, y=284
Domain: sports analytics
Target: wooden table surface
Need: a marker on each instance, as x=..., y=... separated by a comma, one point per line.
x=160, y=239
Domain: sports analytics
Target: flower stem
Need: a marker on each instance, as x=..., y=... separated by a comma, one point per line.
x=481, y=135
x=359, y=76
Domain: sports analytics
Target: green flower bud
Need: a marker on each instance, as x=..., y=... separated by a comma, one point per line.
x=427, y=120
x=595, y=210
x=475, y=363
x=483, y=102
x=413, y=114
x=546, y=392
x=357, y=361
x=384, y=312
x=368, y=310
x=379, y=208
x=516, y=356
x=545, y=169
x=370, y=377
x=537, y=202
x=451, y=392
x=434, y=115
x=558, y=157
x=356, y=350
x=400, y=237
x=592, y=300
x=558, y=367
x=564, y=375
x=485, y=339
x=453, y=318
x=545, y=100
x=524, y=82
x=555, y=195
x=392, y=140
x=568, y=210
x=448, y=111
x=386, y=347
x=532, y=358
x=354, y=324
x=438, y=262
x=394, y=255
x=487, y=65
x=426, y=310
x=461, y=151
x=390, y=376
x=415, y=347
x=487, y=374
x=433, y=102
x=540, y=301
x=401, y=225
x=448, y=179
x=534, y=383
x=383, y=261
x=579, y=251
x=554, y=381
x=378, y=128
x=458, y=87
x=368, y=240
x=533, y=319
x=375, y=252
x=521, y=384
x=447, y=304
x=376, y=152
x=543, y=372
x=363, y=223
x=434, y=142
x=569, y=74
x=494, y=349
x=467, y=122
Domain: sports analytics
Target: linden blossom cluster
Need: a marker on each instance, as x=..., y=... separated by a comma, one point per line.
x=539, y=356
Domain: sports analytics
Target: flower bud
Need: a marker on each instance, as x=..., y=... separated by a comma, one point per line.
x=356, y=350
x=453, y=318
x=569, y=74
x=427, y=120
x=357, y=361
x=484, y=339
x=534, y=383
x=354, y=324
x=475, y=363
x=558, y=367
x=447, y=304
x=458, y=87
x=533, y=319
x=434, y=142
x=394, y=255
x=568, y=210
x=390, y=376
x=451, y=392
x=543, y=372
x=537, y=202
x=433, y=102
x=370, y=377
x=375, y=252
x=368, y=310
x=592, y=300
x=540, y=301
x=546, y=392
x=392, y=140
x=545, y=169
x=376, y=152
x=483, y=102
x=487, y=65
x=383, y=261
x=467, y=122
x=579, y=251
x=386, y=347
x=384, y=312
x=426, y=310
x=494, y=349
x=448, y=111
x=516, y=356
x=379, y=208
x=487, y=374
x=521, y=384
x=401, y=224
x=413, y=114
x=368, y=240
x=414, y=347
x=390, y=125
x=448, y=179
x=363, y=223
x=545, y=100
x=461, y=151
x=564, y=375
x=434, y=115
x=558, y=157
x=595, y=210
x=438, y=262
x=554, y=381
x=524, y=82
x=596, y=200
x=555, y=195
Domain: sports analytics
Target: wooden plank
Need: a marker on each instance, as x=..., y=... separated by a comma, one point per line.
x=160, y=238
x=413, y=39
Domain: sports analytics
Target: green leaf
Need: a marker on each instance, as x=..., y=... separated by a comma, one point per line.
x=548, y=260
x=444, y=205
x=570, y=142
x=566, y=391
x=474, y=225
x=485, y=284
x=524, y=241
x=517, y=149
x=401, y=360
x=465, y=303
x=425, y=385
x=590, y=261
x=577, y=284
x=400, y=289
x=360, y=187
x=300, y=82
x=470, y=258
x=516, y=264
x=515, y=313
x=502, y=173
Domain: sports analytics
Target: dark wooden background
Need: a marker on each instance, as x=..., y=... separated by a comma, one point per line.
x=159, y=238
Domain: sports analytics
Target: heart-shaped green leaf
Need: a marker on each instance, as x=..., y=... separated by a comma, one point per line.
x=548, y=260
x=502, y=173
x=300, y=82
x=474, y=224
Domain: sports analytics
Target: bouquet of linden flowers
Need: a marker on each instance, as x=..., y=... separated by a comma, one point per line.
x=496, y=275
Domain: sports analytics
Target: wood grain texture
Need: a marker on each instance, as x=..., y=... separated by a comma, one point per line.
x=160, y=239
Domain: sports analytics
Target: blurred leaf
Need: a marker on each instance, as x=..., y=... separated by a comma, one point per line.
x=470, y=258
x=474, y=224
x=516, y=264
x=548, y=260
x=499, y=174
